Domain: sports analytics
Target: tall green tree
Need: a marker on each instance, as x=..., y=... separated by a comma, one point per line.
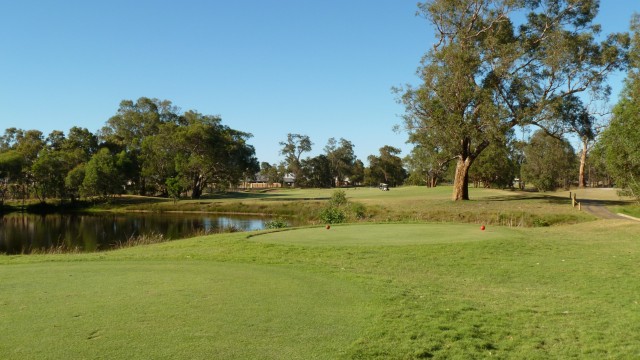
x=103, y=177
x=292, y=150
x=387, y=167
x=209, y=153
x=11, y=163
x=578, y=120
x=495, y=167
x=621, y=140
x=316, y=172
x=127, y=129
x=341, y=159
x=549, y=163
x=357, y=173
x=490, y=71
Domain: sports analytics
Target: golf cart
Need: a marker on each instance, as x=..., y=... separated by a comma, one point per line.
x=383, y=187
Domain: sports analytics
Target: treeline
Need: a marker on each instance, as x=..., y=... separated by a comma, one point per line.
x=148, y=147
x=336, y=166
x=540, y=161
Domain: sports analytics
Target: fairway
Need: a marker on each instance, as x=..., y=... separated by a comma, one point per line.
x=174, y=310
x=360, y=291
x=385, y=235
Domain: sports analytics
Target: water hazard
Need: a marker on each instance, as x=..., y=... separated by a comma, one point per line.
x=24, y=233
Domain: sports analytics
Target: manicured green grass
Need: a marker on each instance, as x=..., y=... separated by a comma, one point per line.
x=175, y=310
x=381, y=235
x=555, y=292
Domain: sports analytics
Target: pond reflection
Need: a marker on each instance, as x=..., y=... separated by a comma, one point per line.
x=24, y=233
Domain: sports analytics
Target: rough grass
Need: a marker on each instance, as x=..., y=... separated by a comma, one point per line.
x=556, y=292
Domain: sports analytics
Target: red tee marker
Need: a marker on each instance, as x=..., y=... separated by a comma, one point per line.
x=482, y=227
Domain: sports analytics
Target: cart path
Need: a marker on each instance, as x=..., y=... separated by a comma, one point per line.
x=598, y=209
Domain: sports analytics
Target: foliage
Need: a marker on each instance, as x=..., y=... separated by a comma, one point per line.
x=139, y=149
x=488, y=74
x=10, y=170
x=315, y=172
x=338, y=198
x=495, y=167
x=274, y=174
x=102, y=176
x=175, y=188
x=386, y=168
x=341, y=160
x=277, y=223
x=335, y=213
x=426, y=163
x=621, y=141
x=549, y=162
x=332, y=215
x=292, y=150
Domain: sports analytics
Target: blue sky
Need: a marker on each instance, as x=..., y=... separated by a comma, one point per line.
x=320, y=68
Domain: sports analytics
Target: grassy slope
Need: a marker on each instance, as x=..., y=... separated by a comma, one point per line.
x=510, y=208
x=558, y=292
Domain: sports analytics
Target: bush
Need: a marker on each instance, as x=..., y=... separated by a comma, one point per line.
x=332, y=215
x=358, y=210
x=538, y=222
x=338, y=198
x=277, y=223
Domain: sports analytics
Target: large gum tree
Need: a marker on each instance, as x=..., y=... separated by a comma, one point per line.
x=498, y=64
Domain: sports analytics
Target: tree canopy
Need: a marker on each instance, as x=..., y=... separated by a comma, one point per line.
x=621, y=140
x=498, y=64
x=149, y=146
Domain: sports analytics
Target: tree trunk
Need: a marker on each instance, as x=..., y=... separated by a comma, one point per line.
x=198, y=185
x=583, y=160
x=465, y=159
x=461, y=180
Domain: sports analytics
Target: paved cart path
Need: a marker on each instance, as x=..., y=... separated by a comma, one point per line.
x=598, y=209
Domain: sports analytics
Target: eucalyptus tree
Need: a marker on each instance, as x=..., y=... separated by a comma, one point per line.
x=387, y=167
x=357, y=172
x=341, y=159
x=427, y=161
x=11, y=163
x=580, y=121
x=102, y=175
x=273, y=173
x=495, y=167
x=208, y=153
x=498, y=64
x=292, y=150
x=316, y=172
x=127, y=129
x=621, y=140
x=549, y=162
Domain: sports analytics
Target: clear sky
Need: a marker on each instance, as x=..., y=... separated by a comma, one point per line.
x=268, y=67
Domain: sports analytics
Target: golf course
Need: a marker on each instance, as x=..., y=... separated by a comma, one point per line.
x=415, y=277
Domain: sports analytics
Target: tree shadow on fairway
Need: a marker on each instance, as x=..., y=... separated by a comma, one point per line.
x=557, y=199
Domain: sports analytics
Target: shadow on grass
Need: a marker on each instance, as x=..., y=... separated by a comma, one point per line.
x=554, y=199
x=265, y=196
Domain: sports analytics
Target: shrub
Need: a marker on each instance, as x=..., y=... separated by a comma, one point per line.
x=277, y=223
x=358, y=210
x=332, y=215
x=538, y=222
x=338, y=198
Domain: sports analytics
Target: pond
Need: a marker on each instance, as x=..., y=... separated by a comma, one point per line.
x=22, y=233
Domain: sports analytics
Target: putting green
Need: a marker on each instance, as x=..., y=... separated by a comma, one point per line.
x=385, y=234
